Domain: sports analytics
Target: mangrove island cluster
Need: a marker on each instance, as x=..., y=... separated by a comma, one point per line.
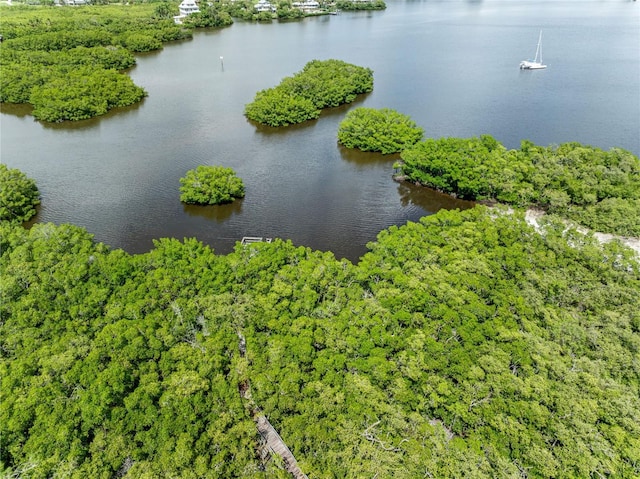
x=71, y=63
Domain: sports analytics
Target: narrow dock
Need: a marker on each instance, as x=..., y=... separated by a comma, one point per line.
x=254, y=239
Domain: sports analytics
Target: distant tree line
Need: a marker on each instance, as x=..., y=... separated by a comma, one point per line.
x=211, y=15
x=301, y=97
x=361, y=5
x=596, y=188
x=245, y=10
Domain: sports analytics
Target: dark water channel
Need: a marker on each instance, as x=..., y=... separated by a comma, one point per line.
x=450, y=65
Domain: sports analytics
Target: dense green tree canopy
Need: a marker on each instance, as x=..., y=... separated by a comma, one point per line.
x=320, y=84
x=596, y=188
x=19, y=195
x=465, y=345
x=210, y=185
x=384, y=130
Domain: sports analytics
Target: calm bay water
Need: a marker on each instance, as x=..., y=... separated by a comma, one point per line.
x=450, y=65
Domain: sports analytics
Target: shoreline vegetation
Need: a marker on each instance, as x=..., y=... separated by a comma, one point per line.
x=597, y=189
x=70, y=63
x=492, y=336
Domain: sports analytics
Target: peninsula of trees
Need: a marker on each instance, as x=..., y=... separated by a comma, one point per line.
x=598, y=189
x=320, y=84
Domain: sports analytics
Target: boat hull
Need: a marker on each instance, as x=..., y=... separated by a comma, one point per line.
x=531, y=66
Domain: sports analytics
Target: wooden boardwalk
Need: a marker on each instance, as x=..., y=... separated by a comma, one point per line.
x=277, y=445
x=269, y=434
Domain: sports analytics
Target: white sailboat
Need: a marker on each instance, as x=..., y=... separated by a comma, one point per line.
x=536, y=64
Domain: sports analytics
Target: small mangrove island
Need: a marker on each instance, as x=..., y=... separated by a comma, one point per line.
x=210, y=185
x=320, y=84
x=384, y=130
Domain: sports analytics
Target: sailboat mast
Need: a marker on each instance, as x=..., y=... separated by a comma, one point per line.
x=539, y=49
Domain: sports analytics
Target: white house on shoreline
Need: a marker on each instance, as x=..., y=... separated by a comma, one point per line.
x=264, y=6
x=187, y=7
x=306, y=5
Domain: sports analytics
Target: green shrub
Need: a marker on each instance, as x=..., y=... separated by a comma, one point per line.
x=18, y=195
x=242, y=9
x=210, y=185
x=285, y=11
x=264, y=17
x=385, y=130
x=210, y=16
